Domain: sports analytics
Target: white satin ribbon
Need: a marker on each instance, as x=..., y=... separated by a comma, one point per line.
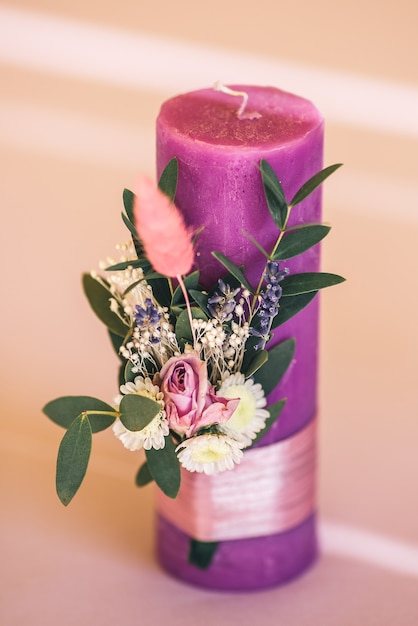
x=271, y=491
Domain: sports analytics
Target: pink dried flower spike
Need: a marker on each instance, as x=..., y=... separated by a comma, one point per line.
x=166, y=239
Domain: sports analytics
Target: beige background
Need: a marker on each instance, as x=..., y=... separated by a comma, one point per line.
x=81, y=85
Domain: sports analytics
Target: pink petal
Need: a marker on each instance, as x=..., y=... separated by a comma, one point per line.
x=217, y=412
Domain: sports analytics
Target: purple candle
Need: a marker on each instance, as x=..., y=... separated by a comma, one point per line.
x=220, y=188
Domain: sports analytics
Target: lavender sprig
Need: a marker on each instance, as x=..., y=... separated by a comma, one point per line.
x=148, y=318
x=222, y=304
x=269, y=301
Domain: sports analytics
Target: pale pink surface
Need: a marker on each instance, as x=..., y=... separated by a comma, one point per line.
x=93, y=563
x=272, y=490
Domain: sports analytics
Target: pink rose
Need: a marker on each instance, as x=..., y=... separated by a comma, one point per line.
x=190, y=401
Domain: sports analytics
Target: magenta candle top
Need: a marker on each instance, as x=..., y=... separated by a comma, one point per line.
x=219, y=181
x=211, y=117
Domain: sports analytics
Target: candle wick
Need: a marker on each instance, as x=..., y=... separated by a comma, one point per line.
x=219, y=86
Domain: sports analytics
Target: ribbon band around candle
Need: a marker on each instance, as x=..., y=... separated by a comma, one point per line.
x=271, y=491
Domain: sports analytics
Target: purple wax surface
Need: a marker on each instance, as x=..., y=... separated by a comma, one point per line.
x=220, y=188
x=243, y=564
x=220, y=185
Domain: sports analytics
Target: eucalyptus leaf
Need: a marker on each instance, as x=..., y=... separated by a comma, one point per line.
x=274, y=193
x=129, y=375
x=160, y=289
x=142, y=263
x=128, y=202
x=73, y=459
x=153, y=275
x=201, y=299
x=275, y=411
x=305, y=282
x=291, y=306
x=176, y=310
x=271, y=373
x=298, y=241
x=231, y=280
x=250, y=347
x=137, y=411
x=116, y=341
x=129, y=225
x=183, y=330
x=201, y=553
x=313, y=183
x=129, y=221
x=196, y=234
x=121, y=375
x=261, y=357
x=132, y=286
x=63, y=411
x=99, y=300
x=164, y=467
x=233, y=269
x=139, y=247
x=143, y=476
x=256, y=243
x=168, y=179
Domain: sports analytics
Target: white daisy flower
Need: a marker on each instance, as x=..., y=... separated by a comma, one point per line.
x=209, y=453
x=249, y=417
x=153, y=435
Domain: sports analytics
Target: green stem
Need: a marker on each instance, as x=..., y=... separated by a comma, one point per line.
x=189, y=310
x=170, y=284
x=86, y=413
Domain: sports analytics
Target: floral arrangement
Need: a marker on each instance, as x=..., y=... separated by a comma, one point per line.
x=195, y=372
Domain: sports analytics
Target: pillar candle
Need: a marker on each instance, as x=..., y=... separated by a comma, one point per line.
x=220, y=189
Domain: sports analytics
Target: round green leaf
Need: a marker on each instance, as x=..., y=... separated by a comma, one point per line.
x=233, y=269
x=305, y=282
x=313, y=183
x=123, y=265
x=99, y=298
x=201, y=553
x=274, y=193
x=260, y=357
x=298, y=241
x=64, y=410
x=274, y=410
x=168, y=179
x=191, y=281
x=279, y=360
x=128, y=202
x=143, y=476
x=73, y=458
x=137, y=411
x=164, y=467
x=291, y=306
x=201, y=299
x=183, y=330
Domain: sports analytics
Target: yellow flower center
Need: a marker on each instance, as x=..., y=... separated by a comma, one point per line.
x=211, y=453
x=245, y=411
x=145, y=393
